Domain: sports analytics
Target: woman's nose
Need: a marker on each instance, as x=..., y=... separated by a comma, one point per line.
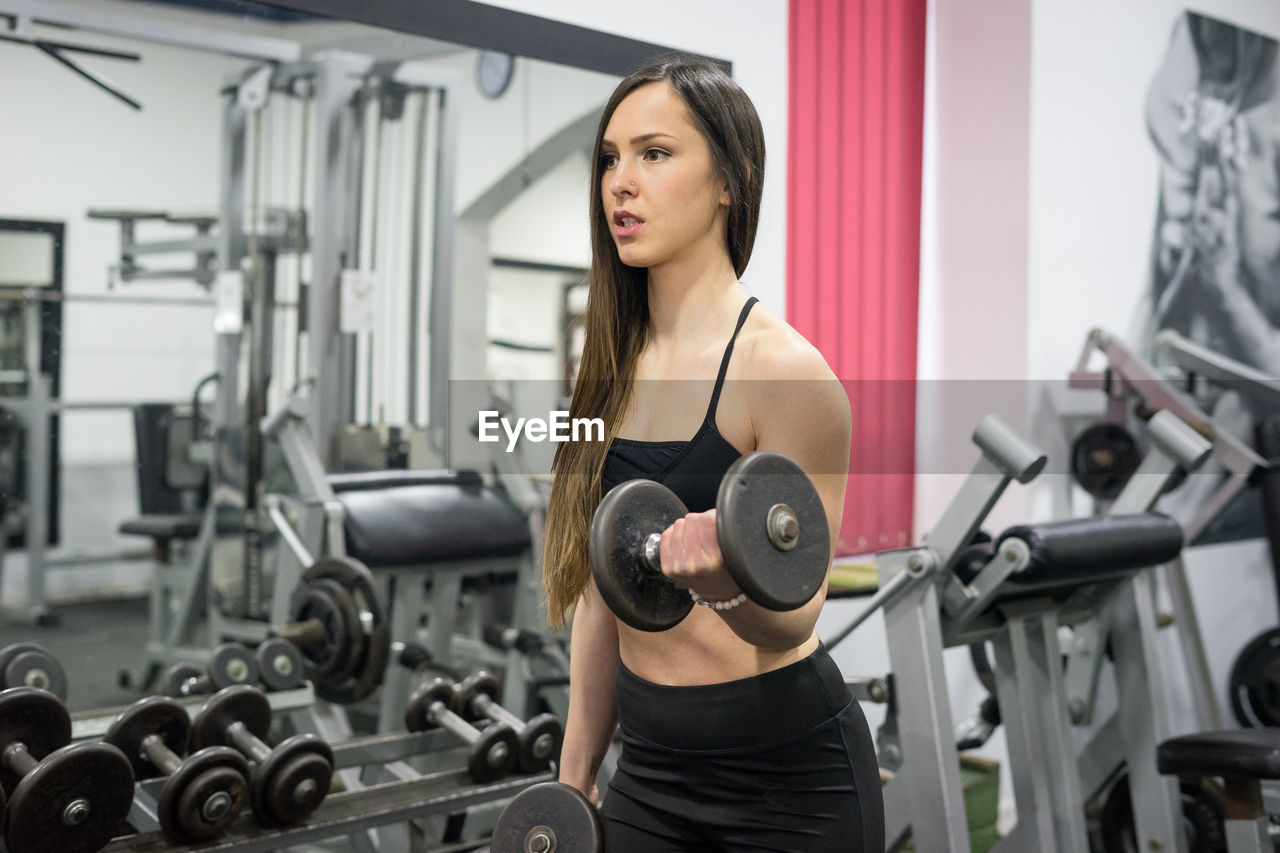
x=622, y=183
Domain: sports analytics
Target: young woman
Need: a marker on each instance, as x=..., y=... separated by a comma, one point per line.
x=738, y=730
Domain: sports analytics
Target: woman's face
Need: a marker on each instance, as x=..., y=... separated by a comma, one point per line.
x=663, y=199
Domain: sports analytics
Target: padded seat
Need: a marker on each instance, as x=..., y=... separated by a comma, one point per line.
x=397, y=519
x=1068, y=554
x=1240, y=754
x=163, y=527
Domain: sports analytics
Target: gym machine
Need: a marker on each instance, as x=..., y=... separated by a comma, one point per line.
x=1016, y=592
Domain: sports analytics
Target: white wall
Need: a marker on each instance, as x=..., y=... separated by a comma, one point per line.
x=69, y=147
x=753, y=36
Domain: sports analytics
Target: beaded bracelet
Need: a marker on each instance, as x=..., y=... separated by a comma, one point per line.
x=728, y=604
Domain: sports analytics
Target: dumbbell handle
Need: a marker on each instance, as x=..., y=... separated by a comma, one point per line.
x=439, y=713
x=782, y=527
x=484, y=706
x=164, y=758
x=239, y=736
x=309, y=632
x=17, y=759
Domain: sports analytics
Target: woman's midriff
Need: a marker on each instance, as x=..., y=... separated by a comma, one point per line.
x=702, y=649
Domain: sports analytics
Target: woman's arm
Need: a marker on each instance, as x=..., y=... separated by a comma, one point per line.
x=593, y=712
x=799, y=409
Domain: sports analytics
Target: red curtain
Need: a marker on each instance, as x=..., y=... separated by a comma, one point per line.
x=853, y=235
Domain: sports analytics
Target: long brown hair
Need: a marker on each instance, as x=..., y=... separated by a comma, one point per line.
x=617, y=319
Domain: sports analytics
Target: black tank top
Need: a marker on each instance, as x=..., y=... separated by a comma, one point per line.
x=692, y=469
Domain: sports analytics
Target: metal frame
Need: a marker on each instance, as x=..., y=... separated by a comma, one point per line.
x=484, y=26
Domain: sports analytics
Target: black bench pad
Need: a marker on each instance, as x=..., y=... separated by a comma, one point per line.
x=163, y=527
x=435, y=517
x=1068, y=554
x=1239, y=754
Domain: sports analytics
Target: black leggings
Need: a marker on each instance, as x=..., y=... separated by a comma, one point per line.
x=779, y=762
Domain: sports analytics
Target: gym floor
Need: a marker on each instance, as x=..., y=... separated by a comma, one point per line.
x=93, y=641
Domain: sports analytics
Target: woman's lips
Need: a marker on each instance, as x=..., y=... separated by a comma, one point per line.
x=626, y=224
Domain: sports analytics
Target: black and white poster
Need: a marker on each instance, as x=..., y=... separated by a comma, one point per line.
x=1213, y=116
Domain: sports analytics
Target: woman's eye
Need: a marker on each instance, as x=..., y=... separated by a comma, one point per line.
x=656, y=154
x=608, y=161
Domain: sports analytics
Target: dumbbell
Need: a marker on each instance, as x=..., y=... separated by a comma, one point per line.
x=539, y=739
x=493, y=751
x=770, y=523
x=547, y=817
x=205, y=792
x=292, y=779
x=32, y=665
x=62, y=796
x=280, y=665
x=229, y=664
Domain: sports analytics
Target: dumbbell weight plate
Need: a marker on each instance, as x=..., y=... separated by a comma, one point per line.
x=230, y=664
x=293, y=781
x=36, y=718
x=424, y=696
x=549, y=812
x=30, y=665
x=494, y=755
x=154, y=715
x=540, y=743
x=473, y=686
x=644, y=599
x=74, y=801
x=176, y=676
x=240, y=703
x=186, y=808
x=280, y=664
x=771, y=576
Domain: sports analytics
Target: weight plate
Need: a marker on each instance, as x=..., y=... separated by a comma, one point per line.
x=494, y=754
x=8, y=653
x=1103, y=457
x=1203, y=816
x=37, y=719
x=280, y=664
x=176, y=680
x=540, y=743
x=350, y=644
x=321, y=659
x=643, y=598
x=74, y=801
x=771, y=576
x=230, y=664
x=204, y=796
x=424, y=696
x=471, y=688
x=240, y=703
x=1255, y=681
x=549, y=816
x=154, y=715
x=292, y=781
x=371, y=659
x=36, y=667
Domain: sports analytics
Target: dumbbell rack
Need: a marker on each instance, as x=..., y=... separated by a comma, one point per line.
x=409, y=797
x=344, y=814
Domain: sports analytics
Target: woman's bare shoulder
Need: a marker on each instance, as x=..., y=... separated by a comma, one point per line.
x=772, y=349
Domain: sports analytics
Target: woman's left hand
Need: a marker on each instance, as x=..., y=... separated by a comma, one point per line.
x=691, y=557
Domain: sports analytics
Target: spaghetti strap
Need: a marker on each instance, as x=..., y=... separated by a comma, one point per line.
x=724, y=363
